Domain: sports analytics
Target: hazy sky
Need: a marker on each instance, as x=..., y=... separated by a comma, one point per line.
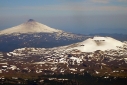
x=78, y=16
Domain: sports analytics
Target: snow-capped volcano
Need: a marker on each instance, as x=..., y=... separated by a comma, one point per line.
x=35, y=34
x=98, y=43
x=31, y=26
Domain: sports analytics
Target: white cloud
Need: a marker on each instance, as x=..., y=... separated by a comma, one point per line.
x=100, y=1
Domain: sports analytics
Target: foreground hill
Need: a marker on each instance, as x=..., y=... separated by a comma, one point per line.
x=104, y=63
x=97, y=43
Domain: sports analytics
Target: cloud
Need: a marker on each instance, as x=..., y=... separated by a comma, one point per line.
x=106, y=1
x=81, y=7
x=100, y=1
x=122, y=0
x=69, y=9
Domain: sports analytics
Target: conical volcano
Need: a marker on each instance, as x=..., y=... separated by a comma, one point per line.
x=35, y=34
x=31, y=26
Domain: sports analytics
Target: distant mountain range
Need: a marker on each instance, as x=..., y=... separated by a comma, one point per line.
x=35, y=34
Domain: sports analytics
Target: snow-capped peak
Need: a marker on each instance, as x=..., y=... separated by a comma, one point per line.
x=31, y=26
x=98, y=43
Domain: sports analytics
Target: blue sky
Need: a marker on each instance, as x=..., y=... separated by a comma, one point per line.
x=78, y=16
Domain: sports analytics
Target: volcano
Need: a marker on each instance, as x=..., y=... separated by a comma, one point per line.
x=31, y=26
x=35, y=34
